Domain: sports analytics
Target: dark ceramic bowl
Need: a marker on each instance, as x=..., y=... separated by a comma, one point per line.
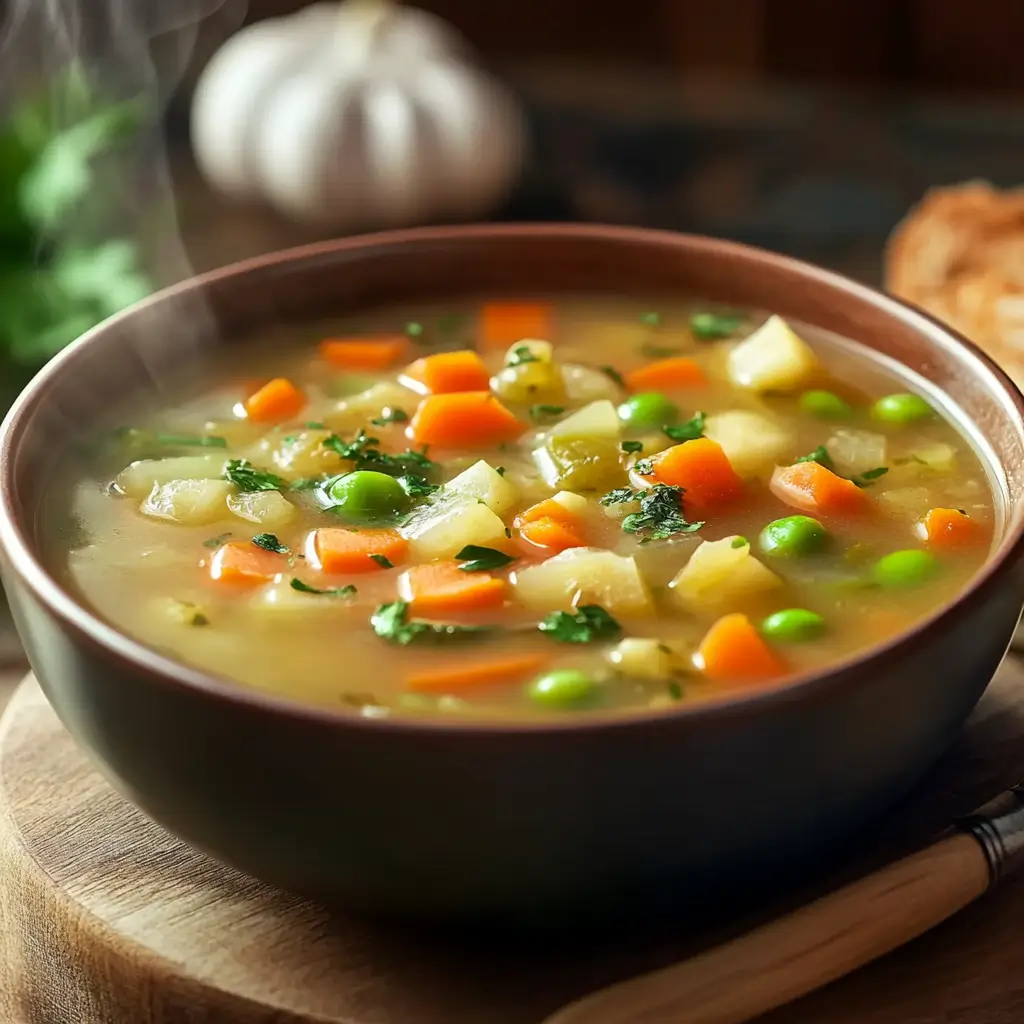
x=503, y=820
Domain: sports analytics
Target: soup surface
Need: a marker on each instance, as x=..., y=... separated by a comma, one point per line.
x=518, y=508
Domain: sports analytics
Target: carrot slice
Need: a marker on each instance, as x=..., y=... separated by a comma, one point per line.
x=450, y=371
x=362, y=353
x=442, y=588
x=464, y=419
x=702, y=469
x=811, y=487
x=341, y=550
x=732, y=649
x=478, y=673
x=550, y=534
x=666, y=374
x=502, y=323
x=277, y=400
x=546, y=509
x=950, y=529
x=243, y=563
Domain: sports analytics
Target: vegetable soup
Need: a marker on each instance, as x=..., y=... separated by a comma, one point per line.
x=520, y=508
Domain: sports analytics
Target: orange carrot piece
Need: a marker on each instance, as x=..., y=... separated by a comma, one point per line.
x=949, y=529
x=476, y=674
x=666, y=374
x=340, y=550
x=551, y=534
x=702, y=469
x=811, y=487
x=732, y=649
x=442, y=588
x=546, y=509
x=241, y=562
x=362, y=353
x=277, y=400
x=446, y=372
x=502, y=323
x=464, y=419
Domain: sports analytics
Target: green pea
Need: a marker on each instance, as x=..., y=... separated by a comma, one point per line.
x=365, y=496
x=908, y=568
x=825, y=405
x=650, y=409
x=793, y=625
x=794, y=535
x=901, y=409
x=563, y=688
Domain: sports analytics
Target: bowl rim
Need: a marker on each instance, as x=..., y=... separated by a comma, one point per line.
x=166, y=671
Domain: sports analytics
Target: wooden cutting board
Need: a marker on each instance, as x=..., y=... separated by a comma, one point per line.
x=107, y=919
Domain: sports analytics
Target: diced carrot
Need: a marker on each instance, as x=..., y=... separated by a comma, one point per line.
x=362, y=353
x=732, y=649
x=464, y=419
x=502, y=323
x=666, y=374
x=442, y=588
x=702, y=469
x=811, y=487
x=242, y=562
x=550, y=534
x=950, y=529
x=476, y=674
x=277, y=400
x=341, y=550
x=546, y=509
x=449, y=371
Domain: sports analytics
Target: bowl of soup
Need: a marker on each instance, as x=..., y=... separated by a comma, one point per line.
x=515, y=572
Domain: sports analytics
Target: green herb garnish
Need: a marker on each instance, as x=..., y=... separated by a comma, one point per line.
x=739, y=542
x=316, y=426
x=712, y=326
x=390, y=415
x=480, y=559
x=246, y=477
x=363, y=450
x=820, y=455
x=500, y=470
x=865, y=479
x=383, y=561
x=545, y=412
x=618, y=496
x=521, y=354
x=632, y=447
x=215, y=542
x=661, y=513
x=391, y=622
x=588, y=623
x=416, y=485
x=610, y=371
x=675, y=691
x=645, y=467
x=688, y=431
x=269, y=542
x=347, y=591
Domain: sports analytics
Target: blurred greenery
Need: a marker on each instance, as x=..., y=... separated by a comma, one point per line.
x=63, y=267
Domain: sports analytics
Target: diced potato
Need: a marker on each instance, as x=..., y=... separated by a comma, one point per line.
x=721, y=574
x=906, y=502
x=641, y=657
x=299, y=455
x=138, y=479
x=587, y=384
x=538, y=379
x=484, y=483
x=581, y=465
x=574, y=504
x=753, y=443
x=357, y=410
x=268, y=508
x=443, y=527
x=582, y=576
x=773, y=358
x=597, y=421
x=856, y=451
x=189, y=502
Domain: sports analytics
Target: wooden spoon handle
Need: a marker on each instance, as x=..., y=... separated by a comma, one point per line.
x=796, y=954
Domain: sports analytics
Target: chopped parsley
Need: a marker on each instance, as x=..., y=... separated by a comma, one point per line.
x=610, y=371
x=313, y=425
x=383, y=561
x=661, y=513
x=739, y=542
x=416, y=485
x=391, y=622
x=645, y=467
x=651, y=319
x=820, y=455
x=269, y=542
x=545, y=412
x=390, y=415
x=500, y=470
x=246, y=477
x=215, y=542
x=521, y=354
x=480, y=559
x=688, y=431
x=712, y=326
x=363, y=451
x=588, y=623
x=618, y=496
x=675, y=691
x=865, y=479
x=347, y=591
x=632, y=447
x=508, y=532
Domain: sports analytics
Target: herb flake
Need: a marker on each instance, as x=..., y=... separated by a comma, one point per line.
x=521, y=354
x=476, y=558
x=588, y=623
x=383, y=561
x=688, y=431
x=215, y=542
x=391, y=623
x=247, y=478
x=610, y=371
x=363, y=451
x=347, y=591
x=714, y=326
x=820, y=455
x=269, y=542
x=632, y=447
x=390, y=415
x=539, y=413
x=618, y=496
x=867, y=478
x=661, y=514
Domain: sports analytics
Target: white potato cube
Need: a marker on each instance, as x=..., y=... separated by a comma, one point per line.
x=856, y=451
x=268, y=508
x=586, y=384
x=753, y=443
x=773, y=358
x=720, y=574
x=574, y=504
x=189, y=502
x=641, y=657
x=443, y=528
x=599, y=420
x=482, y=482
x=581, y=576
x=137, y=480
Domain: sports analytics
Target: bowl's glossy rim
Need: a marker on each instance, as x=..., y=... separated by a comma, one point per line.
x=167, y=671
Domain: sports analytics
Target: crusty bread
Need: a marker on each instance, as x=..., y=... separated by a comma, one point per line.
x=959, y=255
